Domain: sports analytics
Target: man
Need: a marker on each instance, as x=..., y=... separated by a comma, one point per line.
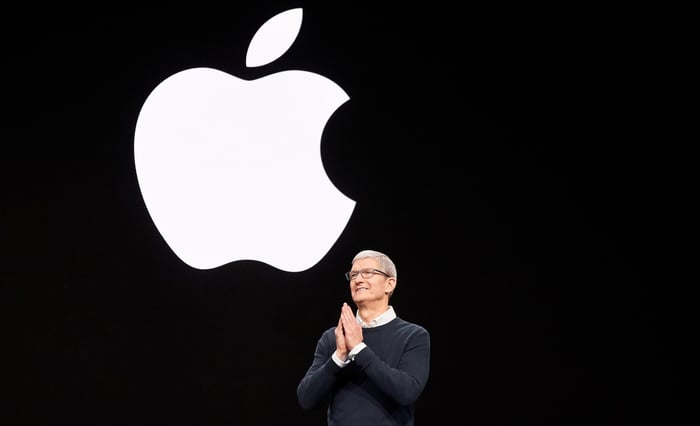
x=371, y=368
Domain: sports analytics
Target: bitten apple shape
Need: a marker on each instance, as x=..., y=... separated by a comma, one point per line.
x=230, y=169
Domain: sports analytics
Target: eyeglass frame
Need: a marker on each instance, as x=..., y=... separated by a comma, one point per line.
x=371, y=271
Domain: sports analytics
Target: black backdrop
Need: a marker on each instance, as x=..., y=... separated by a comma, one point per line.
x=522, y=165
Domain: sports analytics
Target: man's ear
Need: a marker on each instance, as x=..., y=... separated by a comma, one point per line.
x=390, y=285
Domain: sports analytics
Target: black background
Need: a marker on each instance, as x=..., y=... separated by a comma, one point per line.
x=523, y=164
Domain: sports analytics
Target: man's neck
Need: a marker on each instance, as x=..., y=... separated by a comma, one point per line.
x=370, y=311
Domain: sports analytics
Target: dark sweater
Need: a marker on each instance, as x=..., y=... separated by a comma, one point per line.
x=382, y=384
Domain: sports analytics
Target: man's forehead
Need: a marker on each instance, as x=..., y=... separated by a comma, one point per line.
x=368, y=261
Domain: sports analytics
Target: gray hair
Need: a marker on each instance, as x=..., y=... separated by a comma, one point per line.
x=385, y=263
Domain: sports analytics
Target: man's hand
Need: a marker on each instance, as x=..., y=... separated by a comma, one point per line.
x=352, y=330
x=341, y=349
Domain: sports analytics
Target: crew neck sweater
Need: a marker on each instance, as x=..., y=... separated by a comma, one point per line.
x=381, y=385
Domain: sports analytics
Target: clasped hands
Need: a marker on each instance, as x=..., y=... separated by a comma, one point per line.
x=348, y=333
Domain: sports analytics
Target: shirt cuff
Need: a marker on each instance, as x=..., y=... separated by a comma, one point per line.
x=340, y=362
x=356, y=350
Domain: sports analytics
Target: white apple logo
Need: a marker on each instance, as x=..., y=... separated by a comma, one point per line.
x=230, y=169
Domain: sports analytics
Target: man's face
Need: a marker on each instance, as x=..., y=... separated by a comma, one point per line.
x=370, y=289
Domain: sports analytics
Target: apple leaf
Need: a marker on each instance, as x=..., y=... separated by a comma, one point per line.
x=274, y=37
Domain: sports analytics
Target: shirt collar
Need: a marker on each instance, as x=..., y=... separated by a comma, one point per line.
x=382, y=319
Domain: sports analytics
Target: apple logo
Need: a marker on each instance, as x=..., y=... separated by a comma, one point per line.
x=230, y=169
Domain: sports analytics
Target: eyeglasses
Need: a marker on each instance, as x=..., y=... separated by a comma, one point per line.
x=366, y=273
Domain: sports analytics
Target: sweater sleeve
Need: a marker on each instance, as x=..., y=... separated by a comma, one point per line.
x=406, y=382
x=316, y=385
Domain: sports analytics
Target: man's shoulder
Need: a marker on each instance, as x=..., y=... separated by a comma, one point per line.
x=408, y=325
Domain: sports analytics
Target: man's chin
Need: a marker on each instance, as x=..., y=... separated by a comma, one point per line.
x=359, y=298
